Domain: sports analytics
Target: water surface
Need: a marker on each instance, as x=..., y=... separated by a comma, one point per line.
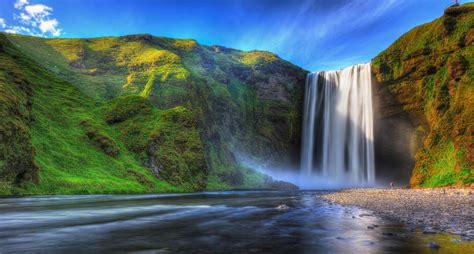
x=213, y=222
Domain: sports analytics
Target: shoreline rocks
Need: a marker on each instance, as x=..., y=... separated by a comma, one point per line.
x=432, y=210
x=282, y=185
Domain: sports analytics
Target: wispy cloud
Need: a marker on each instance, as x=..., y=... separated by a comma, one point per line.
x=308, y=25
x=33, y=19
x=20, y=3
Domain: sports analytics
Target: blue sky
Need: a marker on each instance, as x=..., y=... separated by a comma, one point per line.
x=317, y=34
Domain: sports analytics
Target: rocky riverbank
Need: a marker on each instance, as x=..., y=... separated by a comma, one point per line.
x=432, y=210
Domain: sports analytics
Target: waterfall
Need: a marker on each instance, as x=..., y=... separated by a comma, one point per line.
x=338, y=125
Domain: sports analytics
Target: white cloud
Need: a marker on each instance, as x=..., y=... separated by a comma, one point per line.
x=23, y=18
x=34, y=19
x=20, y=29
x=2, y=23
x=11, y=31
x=20, y=3
x=38, y=11
x=50, y=26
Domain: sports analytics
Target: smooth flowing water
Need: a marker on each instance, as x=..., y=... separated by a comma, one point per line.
x=337, y=140
x=215, y=222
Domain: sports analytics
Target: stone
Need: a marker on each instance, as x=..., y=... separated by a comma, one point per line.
x=282, y=207
x=433, y=245
x=429, y=230
x=282, y=185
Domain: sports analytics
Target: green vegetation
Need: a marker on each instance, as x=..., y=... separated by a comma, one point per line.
x=74, y=150
x=140, y=113
x=430, y=72
x=256, y=57
x=167, y=141
x=16, y=149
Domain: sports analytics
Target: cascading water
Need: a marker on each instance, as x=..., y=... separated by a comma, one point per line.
x=338, y=126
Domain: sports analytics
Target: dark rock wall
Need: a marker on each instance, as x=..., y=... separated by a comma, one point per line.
x=395, y=139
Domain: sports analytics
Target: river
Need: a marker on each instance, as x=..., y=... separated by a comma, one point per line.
x=210, y=222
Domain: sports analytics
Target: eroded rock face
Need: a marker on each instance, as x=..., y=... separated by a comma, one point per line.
x=424, y=91
x=456, y=69
x=395, y=138
x=152, y=161
x=274, y=89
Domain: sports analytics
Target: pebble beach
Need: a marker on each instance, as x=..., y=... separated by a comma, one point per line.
x=431, y=210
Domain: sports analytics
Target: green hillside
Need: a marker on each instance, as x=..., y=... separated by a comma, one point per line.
x=141, y=114
x=61, y=141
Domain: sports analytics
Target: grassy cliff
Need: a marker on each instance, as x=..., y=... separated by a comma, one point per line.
x=428, y=75
x=141, y=113
x=55, y=139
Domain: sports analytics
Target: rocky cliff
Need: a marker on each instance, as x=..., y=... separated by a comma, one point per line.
x=425, y=92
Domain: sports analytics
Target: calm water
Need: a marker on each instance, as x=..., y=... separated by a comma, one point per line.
x=214, y=222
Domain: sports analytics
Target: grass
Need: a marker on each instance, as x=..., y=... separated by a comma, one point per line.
x=168, y=136
x=95, y=130
x=443, y=170
x=69, y=159
x=256, y=57
x=107, y=67
x=16, y=149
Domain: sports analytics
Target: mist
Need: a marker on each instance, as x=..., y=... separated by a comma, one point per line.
x=294, y=176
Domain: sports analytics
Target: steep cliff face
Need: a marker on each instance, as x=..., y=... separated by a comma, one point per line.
x=169, y=112
x=425, y=91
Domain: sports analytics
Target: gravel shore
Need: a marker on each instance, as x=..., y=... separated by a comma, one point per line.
x=432, y=210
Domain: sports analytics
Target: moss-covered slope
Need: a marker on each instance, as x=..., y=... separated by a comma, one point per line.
x=56, y=140
x=142, y=114
x=243, y=102
x=428, y=75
